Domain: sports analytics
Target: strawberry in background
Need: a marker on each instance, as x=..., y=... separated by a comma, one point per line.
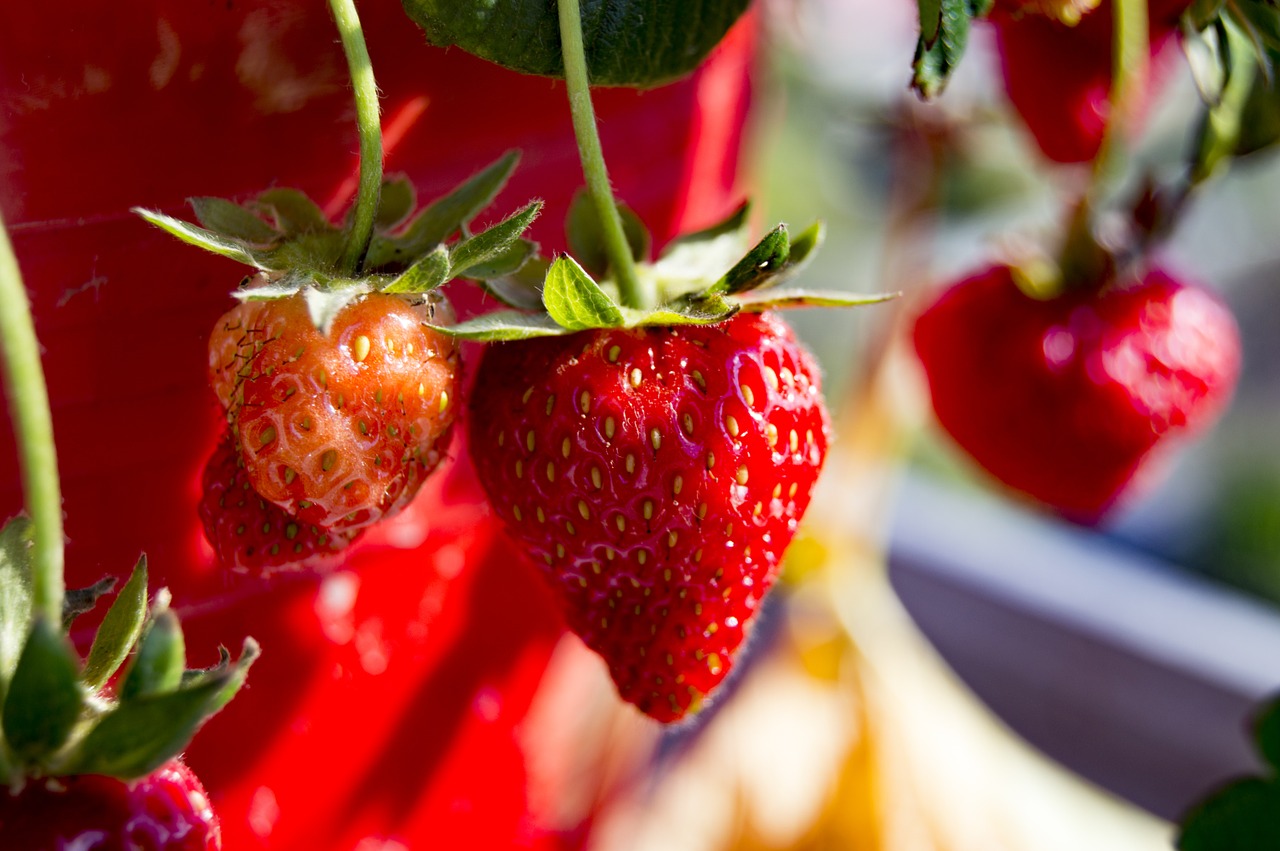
x=1056, y=66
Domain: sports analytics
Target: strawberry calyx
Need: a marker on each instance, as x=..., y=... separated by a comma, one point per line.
x=295, y=248
x=701, y=278
x=126, y=708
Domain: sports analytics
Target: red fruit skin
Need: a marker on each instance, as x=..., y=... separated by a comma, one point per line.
x=655, y=476
x=1058, y=77
x=166, y=811
x=1068, y=400
x=338, y=430
x=253, y=536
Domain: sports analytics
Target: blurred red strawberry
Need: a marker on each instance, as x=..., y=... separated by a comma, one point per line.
x=1069, y=400
x=1058, y=76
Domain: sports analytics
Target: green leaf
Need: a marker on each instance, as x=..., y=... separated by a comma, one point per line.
x=684, y=311
x=15, y=595
x=233, y=221
x=444, y=217
x=283, y=288
x=491, y=243
x=506, y=263
x=119, y=630
x=694, y=262
x=629, y=42
x=1240, y=817
x=1266, y=732
x=318, y=250
x=521, y=289
x=930, y=19
x=79, y=601
x=760, y=264
x=294, y=213
x=45, y=697
x=766, y=299
x=944, y=35
x=201, y=238
x=804, y=245
x=586, y=240
x=1260, y=19
x=139, y=736
x=396, y=202
x=505, y=325
x=425, y=275
x=161, y=659
x=575, y=301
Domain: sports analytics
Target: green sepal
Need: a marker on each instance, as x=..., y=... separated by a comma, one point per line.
x=490, y=244
x=758, y=265
x=324, y=305
x=119, y=630
x=505, y=263
x=502, y=325
x=586, y=239
x=193, y=676
x=788, y=297
x=683, y=311
x=276, y=288
x=201, y=238
x=944, y=35
x=45, y=697
x=15, y=595
x=691, y=262
x=638, y=43
x=317, y=250
x=80, y=601
x=395, y=203
x=575, y=301
x=804, y=245
x=161, y=659
x=293, y=212
x=522, y=289
x=140, y=735
x=425, y=275
x=1260, y=20
x=232, y=220
x=443, y=217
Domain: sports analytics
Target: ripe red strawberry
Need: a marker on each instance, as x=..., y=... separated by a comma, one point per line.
x=166, y=811
x=1059, y=79
x=656, y=475
x=251, y=535
x=1068, y=400
x=337, y=429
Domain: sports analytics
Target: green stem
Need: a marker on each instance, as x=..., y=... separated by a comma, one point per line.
x=33, y=429
x=631, y=289
x=1129, y=59
x=366, y=92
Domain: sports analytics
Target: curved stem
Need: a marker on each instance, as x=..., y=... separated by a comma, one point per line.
x=367, y=120
x=631, y=289
x=33, y=429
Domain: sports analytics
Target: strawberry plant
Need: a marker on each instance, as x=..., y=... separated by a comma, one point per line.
x=338, y=394
x=651, y=432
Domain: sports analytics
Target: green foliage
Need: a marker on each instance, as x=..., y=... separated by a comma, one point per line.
x=944, y=35
x=119, y=630
x=1243, y=815
x=637, y=43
